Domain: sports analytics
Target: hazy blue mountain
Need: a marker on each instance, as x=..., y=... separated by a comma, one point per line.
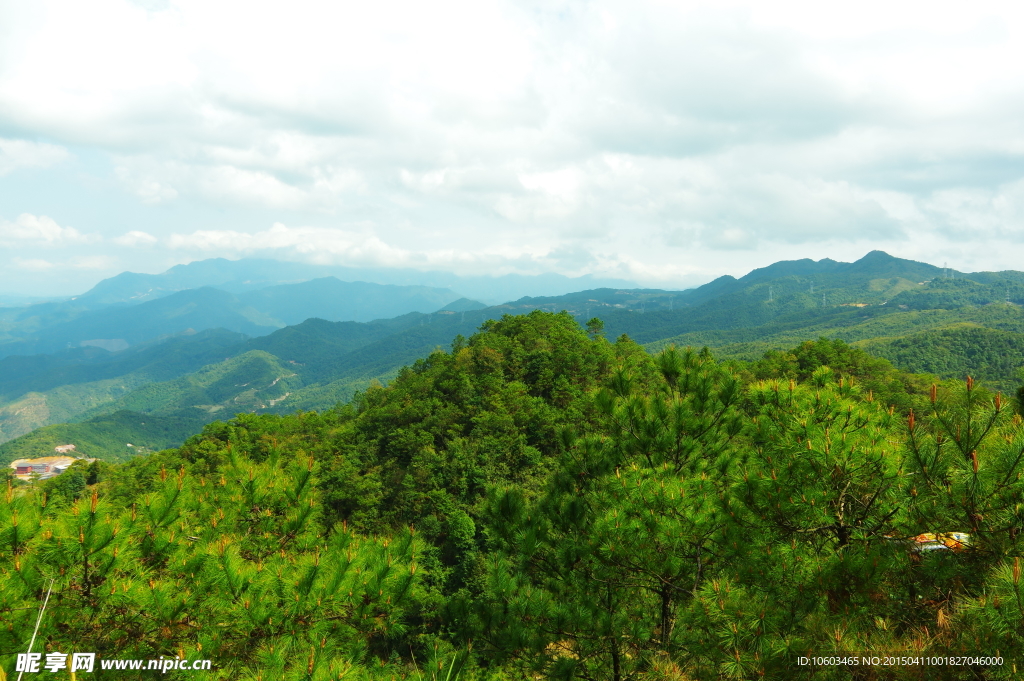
x=496, y=290
x=463, y=305
x=53, y=327
x=16, y=300
x=334, y=300
x=194, y=309
x=235, y=276
x=249, y=274
x=50, y=326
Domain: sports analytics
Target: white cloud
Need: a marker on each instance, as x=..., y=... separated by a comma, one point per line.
x=92, y=262
x=359, y=246
x=17, y=154
x=33, y=264
x=313, y=187
x=971, y=213
x=145, y=186
x=28, y=228
x=135, y=238
x=76, y=263
x=649, y=137
x=319, y=244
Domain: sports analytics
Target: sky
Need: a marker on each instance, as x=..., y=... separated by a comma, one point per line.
x=666, y=143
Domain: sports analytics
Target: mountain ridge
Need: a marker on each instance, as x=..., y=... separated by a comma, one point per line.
x=877, y=301
x=240, y=276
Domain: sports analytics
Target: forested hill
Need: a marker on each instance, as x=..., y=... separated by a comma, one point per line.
x=923, y=318
x=193, y=380
x=541, y=502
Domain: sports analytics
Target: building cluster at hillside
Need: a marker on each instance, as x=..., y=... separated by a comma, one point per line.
x=46, y=467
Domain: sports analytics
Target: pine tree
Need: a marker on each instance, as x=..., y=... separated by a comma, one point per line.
x=628, y=532
x=967, y=458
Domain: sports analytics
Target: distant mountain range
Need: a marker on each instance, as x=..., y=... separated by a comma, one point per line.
x=271, y=349
x=254, y=297
x=240, y=276
x=51, y=327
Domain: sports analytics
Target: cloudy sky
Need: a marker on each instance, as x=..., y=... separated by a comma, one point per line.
x=663, y=142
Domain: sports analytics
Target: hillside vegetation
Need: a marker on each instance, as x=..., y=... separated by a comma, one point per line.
x=965, y=349
x=539, y=502
x=326, y=363
x=925, y=319
x=39, y=390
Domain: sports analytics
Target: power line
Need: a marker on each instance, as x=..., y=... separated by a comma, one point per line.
x=39, y=621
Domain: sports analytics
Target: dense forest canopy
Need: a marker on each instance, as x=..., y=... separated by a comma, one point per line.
x=542, y=502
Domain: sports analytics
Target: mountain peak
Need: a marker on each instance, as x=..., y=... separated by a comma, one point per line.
x=788, y=268
x=880, y=263
x=878, y=256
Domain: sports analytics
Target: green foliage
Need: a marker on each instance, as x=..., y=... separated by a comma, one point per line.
x=106, y=437
x=952, y=293
x=965, y=458
x=991, y=355
x=67, y=487
x=426, y=449
x=250, y=380
x=229, y=567
x=542, y=503
x=631, y=524
x=878, y=379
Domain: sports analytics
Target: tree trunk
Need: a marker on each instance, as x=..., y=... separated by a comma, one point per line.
x=666, y=617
